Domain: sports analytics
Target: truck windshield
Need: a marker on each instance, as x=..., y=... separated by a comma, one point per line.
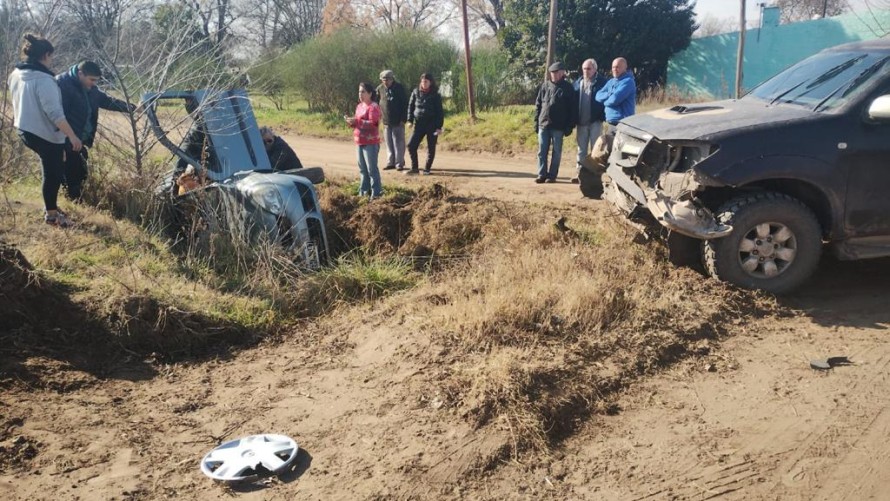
x=824, y=81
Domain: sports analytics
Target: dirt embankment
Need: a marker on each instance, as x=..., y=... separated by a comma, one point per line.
x=517, y=334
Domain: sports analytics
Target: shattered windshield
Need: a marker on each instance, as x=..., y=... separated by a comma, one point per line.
x=824, y=81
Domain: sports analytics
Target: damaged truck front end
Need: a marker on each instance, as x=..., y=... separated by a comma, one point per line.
x=752, y=188
x=648, y=179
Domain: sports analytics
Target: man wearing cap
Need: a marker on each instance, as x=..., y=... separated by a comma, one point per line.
x=394, y=110
x=556, y=112
x=618, y=96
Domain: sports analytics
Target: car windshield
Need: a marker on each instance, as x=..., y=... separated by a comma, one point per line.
x=824, y=81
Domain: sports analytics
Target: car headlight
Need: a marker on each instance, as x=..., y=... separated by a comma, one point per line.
x=268, y=198
x=619, y=141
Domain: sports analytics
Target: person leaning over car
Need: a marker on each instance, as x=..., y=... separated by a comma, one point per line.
x=556, y=111
x=394, y=107
x=619, y=95
x=82, y=100
x=590, y=112
x=40, y=119
x=281, y=155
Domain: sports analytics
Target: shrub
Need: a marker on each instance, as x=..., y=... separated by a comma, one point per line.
x=494, y=82
x=326, y=71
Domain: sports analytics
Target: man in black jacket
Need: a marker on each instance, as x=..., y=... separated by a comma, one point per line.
x=81, y=100
x=281, y=155
x=394, y=108
x=556, y=113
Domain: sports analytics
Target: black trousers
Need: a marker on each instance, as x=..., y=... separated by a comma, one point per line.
x=51, y=160
x=75, y=171
x=421, y=131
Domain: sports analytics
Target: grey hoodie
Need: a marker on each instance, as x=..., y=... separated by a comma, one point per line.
x=36, y=102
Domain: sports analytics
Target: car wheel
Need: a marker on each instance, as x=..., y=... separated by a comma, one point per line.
x=591, y=183
x=774, y=245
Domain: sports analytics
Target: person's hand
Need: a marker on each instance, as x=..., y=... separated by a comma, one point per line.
x=569, y=132
x=139, y=109
x=76, y=145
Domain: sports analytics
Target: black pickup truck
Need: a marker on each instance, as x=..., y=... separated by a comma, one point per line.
x=755, y=187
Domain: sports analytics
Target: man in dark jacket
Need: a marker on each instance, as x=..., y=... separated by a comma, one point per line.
x=556, y=112
x=281, y=155
x=591, y=112
x=81, y=100
x=394, y=108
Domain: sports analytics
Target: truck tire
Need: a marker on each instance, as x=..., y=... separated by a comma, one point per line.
x=591, y=183
x=774, y=246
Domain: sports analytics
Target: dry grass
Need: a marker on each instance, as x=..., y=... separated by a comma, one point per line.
x=540, y=327
x=544, y=327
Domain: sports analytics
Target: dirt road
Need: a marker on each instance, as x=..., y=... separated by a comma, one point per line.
x=749, y=421
x=478, y=174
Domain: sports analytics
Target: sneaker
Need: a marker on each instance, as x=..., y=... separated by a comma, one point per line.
x=413, y=172
x=389, y=167
x=60, y=219
x=426, y=173
x=540, y=179
x=575, y=180
x=550, y=180
x=400, y=168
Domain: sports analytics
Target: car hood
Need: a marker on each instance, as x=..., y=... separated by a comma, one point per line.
x=705, y=120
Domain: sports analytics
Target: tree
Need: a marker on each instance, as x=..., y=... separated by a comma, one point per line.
x=803, y=10
x=646, y=33
x=486, y=14
x=711, y=25
x=338, y=14
x=411, y=14
x=279, y=24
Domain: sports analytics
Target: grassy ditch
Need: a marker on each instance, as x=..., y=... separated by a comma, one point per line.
x=535, y=326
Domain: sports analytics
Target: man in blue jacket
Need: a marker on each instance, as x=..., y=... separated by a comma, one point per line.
x=81, y=100
x=618, y=96
x=590, y=112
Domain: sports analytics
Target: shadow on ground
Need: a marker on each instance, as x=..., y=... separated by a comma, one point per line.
x=846, y=293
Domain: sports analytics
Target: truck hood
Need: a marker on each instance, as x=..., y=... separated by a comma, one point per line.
x=705, y=120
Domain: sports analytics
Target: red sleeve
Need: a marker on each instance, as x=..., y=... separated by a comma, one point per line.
x=372, y=117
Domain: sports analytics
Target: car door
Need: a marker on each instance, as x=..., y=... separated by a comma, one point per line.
x=867, y=160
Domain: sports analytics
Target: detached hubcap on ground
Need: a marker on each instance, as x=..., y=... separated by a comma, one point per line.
x=767, y=250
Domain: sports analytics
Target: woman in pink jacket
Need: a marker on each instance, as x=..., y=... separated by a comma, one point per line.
x=366, y=133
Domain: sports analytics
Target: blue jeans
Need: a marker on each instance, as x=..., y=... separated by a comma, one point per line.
x=545, y=137
x=367, y=166
x=586, y=137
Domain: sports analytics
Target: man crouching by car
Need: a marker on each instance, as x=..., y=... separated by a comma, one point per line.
x=281, y=155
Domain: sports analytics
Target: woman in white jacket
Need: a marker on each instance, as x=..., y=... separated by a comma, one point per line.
x=40, y=119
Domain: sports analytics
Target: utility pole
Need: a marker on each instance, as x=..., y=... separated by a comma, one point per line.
x=551, y=40
x=471, y=98
x=741, y=54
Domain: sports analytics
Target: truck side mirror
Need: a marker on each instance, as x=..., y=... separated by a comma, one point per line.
x=880, y=108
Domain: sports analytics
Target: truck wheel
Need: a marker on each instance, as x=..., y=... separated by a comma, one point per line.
x=591, y=183
x=774, y=246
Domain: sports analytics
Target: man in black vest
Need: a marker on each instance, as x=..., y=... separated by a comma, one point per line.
x=394, y=108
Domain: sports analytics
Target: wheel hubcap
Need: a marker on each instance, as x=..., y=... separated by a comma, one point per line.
x=767, y=250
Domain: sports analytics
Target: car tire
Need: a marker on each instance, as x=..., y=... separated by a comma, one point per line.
x=774, y=246
x=591, y=183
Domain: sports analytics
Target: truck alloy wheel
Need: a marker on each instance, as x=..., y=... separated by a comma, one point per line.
x=775, y=245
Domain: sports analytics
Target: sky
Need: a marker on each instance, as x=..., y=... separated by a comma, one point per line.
x=730, y=8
